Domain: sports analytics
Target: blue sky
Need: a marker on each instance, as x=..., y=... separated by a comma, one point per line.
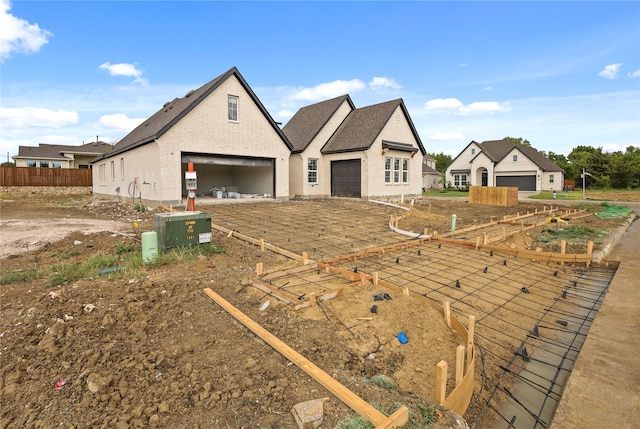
x=559, y=74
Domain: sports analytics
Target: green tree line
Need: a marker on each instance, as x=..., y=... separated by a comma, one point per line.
x=617, y=170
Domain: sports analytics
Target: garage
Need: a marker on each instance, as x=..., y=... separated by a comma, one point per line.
x=523, y=183
x=346, y=178
x=232, y=175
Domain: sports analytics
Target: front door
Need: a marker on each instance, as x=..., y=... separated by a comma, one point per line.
x=485, y=178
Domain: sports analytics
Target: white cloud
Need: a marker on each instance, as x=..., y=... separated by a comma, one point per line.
x=484, y=107
x=327, y=90
x=378, y=83
x=285, y=114
x=488, y=88
x=36, y=117
x=634, y=74
x=18, y=35
x=119, y=121
x=124, y=69
x=610, y=71
x=447, y=136
x=443, y=103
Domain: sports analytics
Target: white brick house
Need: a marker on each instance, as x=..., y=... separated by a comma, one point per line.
x=502, y=163
x=341, y=151
x=221, y=127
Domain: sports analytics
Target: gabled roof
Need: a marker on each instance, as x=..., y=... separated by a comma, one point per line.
x=165, y=118
x=539, y=159
x=57, y=151
x=496, y=149
x=362, y=126
x=305, y=125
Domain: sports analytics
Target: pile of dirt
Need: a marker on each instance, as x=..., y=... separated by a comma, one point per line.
x=153, y=350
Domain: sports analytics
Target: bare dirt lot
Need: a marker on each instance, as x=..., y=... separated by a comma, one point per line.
x=147, y=348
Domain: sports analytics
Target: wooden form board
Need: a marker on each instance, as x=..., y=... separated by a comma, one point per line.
x=359, y=405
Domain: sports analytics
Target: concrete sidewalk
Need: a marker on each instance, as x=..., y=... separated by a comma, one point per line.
x=604, y=388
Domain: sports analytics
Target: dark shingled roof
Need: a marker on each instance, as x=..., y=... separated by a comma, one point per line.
x=498, y=149
x=56, y=151
x=305, y=125
x=361, y=128
x=541, y=161
x=165, y=118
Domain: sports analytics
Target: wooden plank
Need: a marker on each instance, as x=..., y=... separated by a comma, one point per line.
x=324, y=297
x=271, y=291
x=359, y=405
x=441, y=381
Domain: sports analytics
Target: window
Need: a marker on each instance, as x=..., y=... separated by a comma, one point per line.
x=456, y=180
x=396, y=170
x=460, y=180
x=551, y=178
x=31, y=163
x=56, y=165
x=312, y=171
x=515, y=158
x=405, y=170
x=387, y=169
x=122, y=168
x=473, y=151
x=44, y=163
x=113, y=170
x=233, y=108
x=101, y=174
x=463, y=180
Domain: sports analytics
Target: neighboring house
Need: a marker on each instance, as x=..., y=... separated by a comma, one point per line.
x=430, y=176
x=60, y=156
x=221, y=127
x=341, y=151
x=501, y=163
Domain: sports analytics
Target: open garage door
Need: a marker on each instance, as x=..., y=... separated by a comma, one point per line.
x=346, y=178
x=523, y=183
x=242, y=175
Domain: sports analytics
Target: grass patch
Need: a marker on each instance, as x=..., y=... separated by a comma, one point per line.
x=421, y=418
x=19, y=276
x=449, y=193
x=380, y=380
x=571, y=234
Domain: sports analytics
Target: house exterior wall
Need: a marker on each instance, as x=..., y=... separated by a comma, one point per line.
x=397, y=130
x=461, y=164
x=64, y=163
x=556, y=185
x=299, y=185
x=207, y=130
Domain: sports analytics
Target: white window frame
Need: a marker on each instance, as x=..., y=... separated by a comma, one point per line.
x=405, y=170
x=551, y=178
x=113, y=170
x=473, y=151
x=463, y=180
x=388, y=168
x=456, y=180
x=232, y=108
x=312, y=171
x=515, y=158
x=396, y=170
x=121, y=168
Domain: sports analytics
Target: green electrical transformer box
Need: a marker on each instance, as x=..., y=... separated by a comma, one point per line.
x=179, y=229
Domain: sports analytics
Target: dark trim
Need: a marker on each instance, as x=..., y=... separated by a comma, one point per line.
x=403, y=147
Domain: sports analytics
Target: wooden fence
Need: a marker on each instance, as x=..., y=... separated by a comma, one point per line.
x=494, y=195
x=42, y=176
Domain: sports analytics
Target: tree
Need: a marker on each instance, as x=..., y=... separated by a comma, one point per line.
x=442, y=161
x=518, y=141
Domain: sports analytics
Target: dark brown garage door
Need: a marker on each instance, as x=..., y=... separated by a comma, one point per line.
x=523, y=183
x=345, y=178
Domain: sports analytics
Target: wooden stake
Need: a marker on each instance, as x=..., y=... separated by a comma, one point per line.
x=447, y=313
x=259, y=269
x=359, y=405
x=405, y=291
x=230, y=234
x=470, y=329
x=459, y=364
x=375, y=278
x=305, y=258
x=262, y=244
x=363, y=279
x=441, y=382
x=477, y=242
x=563, y=248
x=312, y=299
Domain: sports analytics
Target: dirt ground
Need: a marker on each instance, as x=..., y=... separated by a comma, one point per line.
x=153, y=350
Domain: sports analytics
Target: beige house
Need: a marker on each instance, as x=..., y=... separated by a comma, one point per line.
x=60, y=156
x=502, y=163
x=430, y=176
x=222, y=128
x=341, y=151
